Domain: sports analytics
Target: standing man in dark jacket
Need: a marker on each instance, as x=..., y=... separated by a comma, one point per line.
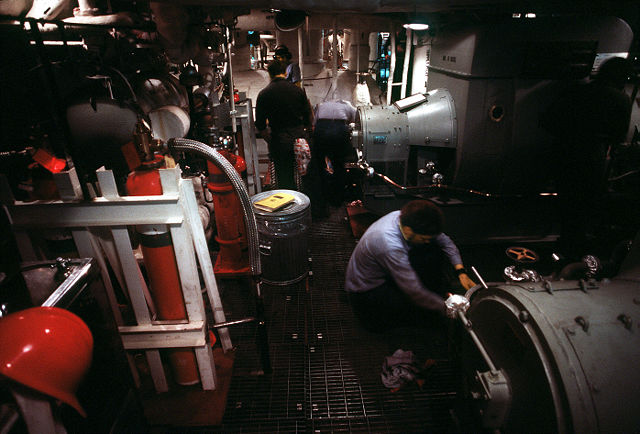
x=285, y=108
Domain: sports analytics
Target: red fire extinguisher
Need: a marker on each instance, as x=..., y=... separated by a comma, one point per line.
x=160, y=264
x=233, y=258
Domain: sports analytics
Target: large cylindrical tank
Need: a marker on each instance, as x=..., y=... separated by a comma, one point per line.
x=100, y=127
x=233, y=259
x=162, y=270
x=283, y=236
x=165, y=101
x=101, y=122
x=569, y=350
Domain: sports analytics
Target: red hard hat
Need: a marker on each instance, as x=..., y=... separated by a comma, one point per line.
x=47, y=349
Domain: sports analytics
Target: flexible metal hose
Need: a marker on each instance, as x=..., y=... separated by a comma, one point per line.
x=210, y=154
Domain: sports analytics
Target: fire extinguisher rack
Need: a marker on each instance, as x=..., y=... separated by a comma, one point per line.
x=90, y=222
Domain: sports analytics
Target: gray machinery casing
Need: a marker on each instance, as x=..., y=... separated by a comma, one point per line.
x=388, y=133
x=571, y=356
x=496, y=79
x=570, y=351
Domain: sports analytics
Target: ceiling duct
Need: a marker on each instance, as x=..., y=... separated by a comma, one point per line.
x=287, y=20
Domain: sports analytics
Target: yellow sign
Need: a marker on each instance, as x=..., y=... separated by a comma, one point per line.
x=274, y=202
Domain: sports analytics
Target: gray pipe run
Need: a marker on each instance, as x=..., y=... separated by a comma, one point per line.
x=420, y=188
x=210, y=154
x=232, y=101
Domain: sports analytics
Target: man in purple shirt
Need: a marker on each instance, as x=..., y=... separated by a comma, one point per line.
x=332, y=146
x=388, y=284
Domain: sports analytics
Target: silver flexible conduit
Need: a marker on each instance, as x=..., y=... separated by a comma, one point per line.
x=210, y=154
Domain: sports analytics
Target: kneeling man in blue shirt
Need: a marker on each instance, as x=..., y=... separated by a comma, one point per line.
x=397, y=274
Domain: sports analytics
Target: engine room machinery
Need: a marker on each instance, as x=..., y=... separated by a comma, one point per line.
x=540, y=354
x=477, y=126
x=554, y=355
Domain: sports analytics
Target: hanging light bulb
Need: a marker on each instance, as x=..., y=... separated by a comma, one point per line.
x=416, y=24
x=415, y=21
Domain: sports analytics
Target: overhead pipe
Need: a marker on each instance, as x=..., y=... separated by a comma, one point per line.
x=357, y=32
x=307, y=29
x=405, y=65
x=300, y=62
x=392, y=65
x=86, y=7
x=334, y=48
x=232, y=103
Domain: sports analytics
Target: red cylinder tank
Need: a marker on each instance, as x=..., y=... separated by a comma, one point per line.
x=233, y=258
x=162, y=270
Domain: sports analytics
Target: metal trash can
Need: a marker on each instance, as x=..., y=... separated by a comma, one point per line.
x=283, y=239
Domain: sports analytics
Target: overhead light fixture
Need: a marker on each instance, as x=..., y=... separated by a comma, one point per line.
x=416, y=23
x=410, y=101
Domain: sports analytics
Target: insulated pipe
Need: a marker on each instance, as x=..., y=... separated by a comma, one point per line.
x=392, y=65
x=232, y=102
x=357, y=55
x=300, y=57
x=86, y=7
x=307, y=29
x=405, y=65
x=210, y=154
x=334, y=48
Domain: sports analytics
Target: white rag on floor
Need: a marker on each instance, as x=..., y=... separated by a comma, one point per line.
x=399, y=369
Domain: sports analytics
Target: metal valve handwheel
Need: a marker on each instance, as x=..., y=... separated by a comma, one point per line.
x=522, y=255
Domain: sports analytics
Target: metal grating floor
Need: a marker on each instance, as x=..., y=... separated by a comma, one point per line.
x=326, y=368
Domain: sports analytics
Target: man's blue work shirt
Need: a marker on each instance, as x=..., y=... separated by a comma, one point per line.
x=383, y=253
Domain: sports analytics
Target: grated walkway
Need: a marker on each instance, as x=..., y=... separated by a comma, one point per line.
x=326, y=367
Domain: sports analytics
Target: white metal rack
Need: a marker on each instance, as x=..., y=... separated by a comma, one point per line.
x=100, y=230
